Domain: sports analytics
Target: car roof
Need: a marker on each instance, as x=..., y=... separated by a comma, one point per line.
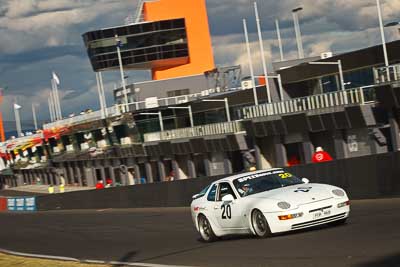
x=233, y=177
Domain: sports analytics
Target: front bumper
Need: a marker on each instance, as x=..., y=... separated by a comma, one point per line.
x=327, y=210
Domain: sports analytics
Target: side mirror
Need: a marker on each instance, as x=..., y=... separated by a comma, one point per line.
x=228, y=198
x=195, y=196
x=305, y=180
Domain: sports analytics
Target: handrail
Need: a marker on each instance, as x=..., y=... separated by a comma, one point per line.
x=308, y=103
x=95, y=115
x=117, y=109
x=197, y=131
x=387, y=74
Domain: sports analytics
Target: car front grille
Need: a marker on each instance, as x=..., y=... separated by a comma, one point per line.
x=319, y=221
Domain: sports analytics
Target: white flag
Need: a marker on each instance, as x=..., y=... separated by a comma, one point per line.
x=55, y=78
x=16, y=106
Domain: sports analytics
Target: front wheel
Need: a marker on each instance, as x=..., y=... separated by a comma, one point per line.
x=260, y=224
x=205, y=230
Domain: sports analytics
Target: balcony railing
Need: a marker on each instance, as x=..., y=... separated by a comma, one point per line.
x=197, y=131
x=387, y=74
x=155, y=102
x=134, y=106
x=308, y=103
x=92, y=116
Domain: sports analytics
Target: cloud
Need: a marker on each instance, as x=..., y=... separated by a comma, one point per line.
x=39, y=36
x=34, y=24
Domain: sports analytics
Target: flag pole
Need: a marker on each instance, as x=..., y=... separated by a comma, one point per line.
x=17, y=119
x=34, y=116
x=54, y=99
x=56, y=82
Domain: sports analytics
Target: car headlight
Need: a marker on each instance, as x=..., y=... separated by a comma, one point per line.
x=283, y=205
x=338, y=192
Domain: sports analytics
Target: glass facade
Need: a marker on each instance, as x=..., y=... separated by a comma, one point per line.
x=358, y=78
x=352, y=79
x=329, y=84
x=141, y=44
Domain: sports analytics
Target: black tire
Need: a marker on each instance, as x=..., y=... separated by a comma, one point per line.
x=339, y=222
x=205, y=230
x=260, y=224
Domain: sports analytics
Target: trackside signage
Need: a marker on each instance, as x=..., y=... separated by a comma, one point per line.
x=21, y=204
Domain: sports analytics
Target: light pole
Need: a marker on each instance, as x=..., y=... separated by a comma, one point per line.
x=34, y=116
x=339, y=64
x=297, y=31
x=228, y=115
x=278, y=32
x=17, y=119
x=189, y=108
x=51, y=107
x=121, y=70
x=159, y=118
x=378, y=5
x=55, y=81
x=250, y=62
x=264, y=64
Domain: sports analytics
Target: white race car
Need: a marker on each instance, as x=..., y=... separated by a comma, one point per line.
x=266, y=202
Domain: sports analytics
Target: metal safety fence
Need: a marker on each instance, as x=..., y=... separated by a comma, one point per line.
x=308, y=103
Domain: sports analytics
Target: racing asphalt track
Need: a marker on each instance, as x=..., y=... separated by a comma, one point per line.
x=371, y=238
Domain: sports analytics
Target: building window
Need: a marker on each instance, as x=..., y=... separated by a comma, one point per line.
x=358, y=78
x=329, y=84
x=178, y=92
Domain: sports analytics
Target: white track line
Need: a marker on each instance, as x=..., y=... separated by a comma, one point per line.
x=40, y=256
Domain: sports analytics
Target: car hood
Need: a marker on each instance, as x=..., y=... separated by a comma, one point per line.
x=298, y=194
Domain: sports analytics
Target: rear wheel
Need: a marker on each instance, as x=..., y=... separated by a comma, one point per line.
x=205, y=230
x=260, y=224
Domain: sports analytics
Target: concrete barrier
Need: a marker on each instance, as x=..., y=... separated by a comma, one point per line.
x=363, y=177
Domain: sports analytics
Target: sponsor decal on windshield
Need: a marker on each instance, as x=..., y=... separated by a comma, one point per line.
x=257, y=175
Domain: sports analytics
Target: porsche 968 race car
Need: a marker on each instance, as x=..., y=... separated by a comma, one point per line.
x=266, y=202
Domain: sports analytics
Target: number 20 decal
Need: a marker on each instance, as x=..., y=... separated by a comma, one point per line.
x=226, y=211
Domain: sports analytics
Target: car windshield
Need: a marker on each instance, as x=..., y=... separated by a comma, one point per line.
x=264, y=181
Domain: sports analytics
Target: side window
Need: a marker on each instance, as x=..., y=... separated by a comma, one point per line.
x=211, y=194
x=225, y=189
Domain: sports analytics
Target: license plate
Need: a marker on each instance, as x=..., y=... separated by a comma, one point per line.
x=320, y=214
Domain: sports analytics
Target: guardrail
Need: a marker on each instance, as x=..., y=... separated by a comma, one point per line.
x=197, y=131
x=308, y=103
x=387, y=74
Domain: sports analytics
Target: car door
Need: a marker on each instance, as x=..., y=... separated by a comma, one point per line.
x=228, y=214
x=209, y=204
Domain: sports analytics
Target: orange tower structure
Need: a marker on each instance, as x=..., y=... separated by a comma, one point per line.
x=198, y=34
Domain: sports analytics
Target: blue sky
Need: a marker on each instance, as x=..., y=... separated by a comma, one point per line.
x=39, y=36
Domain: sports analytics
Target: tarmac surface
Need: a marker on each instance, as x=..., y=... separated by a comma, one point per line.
x=371, y=238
